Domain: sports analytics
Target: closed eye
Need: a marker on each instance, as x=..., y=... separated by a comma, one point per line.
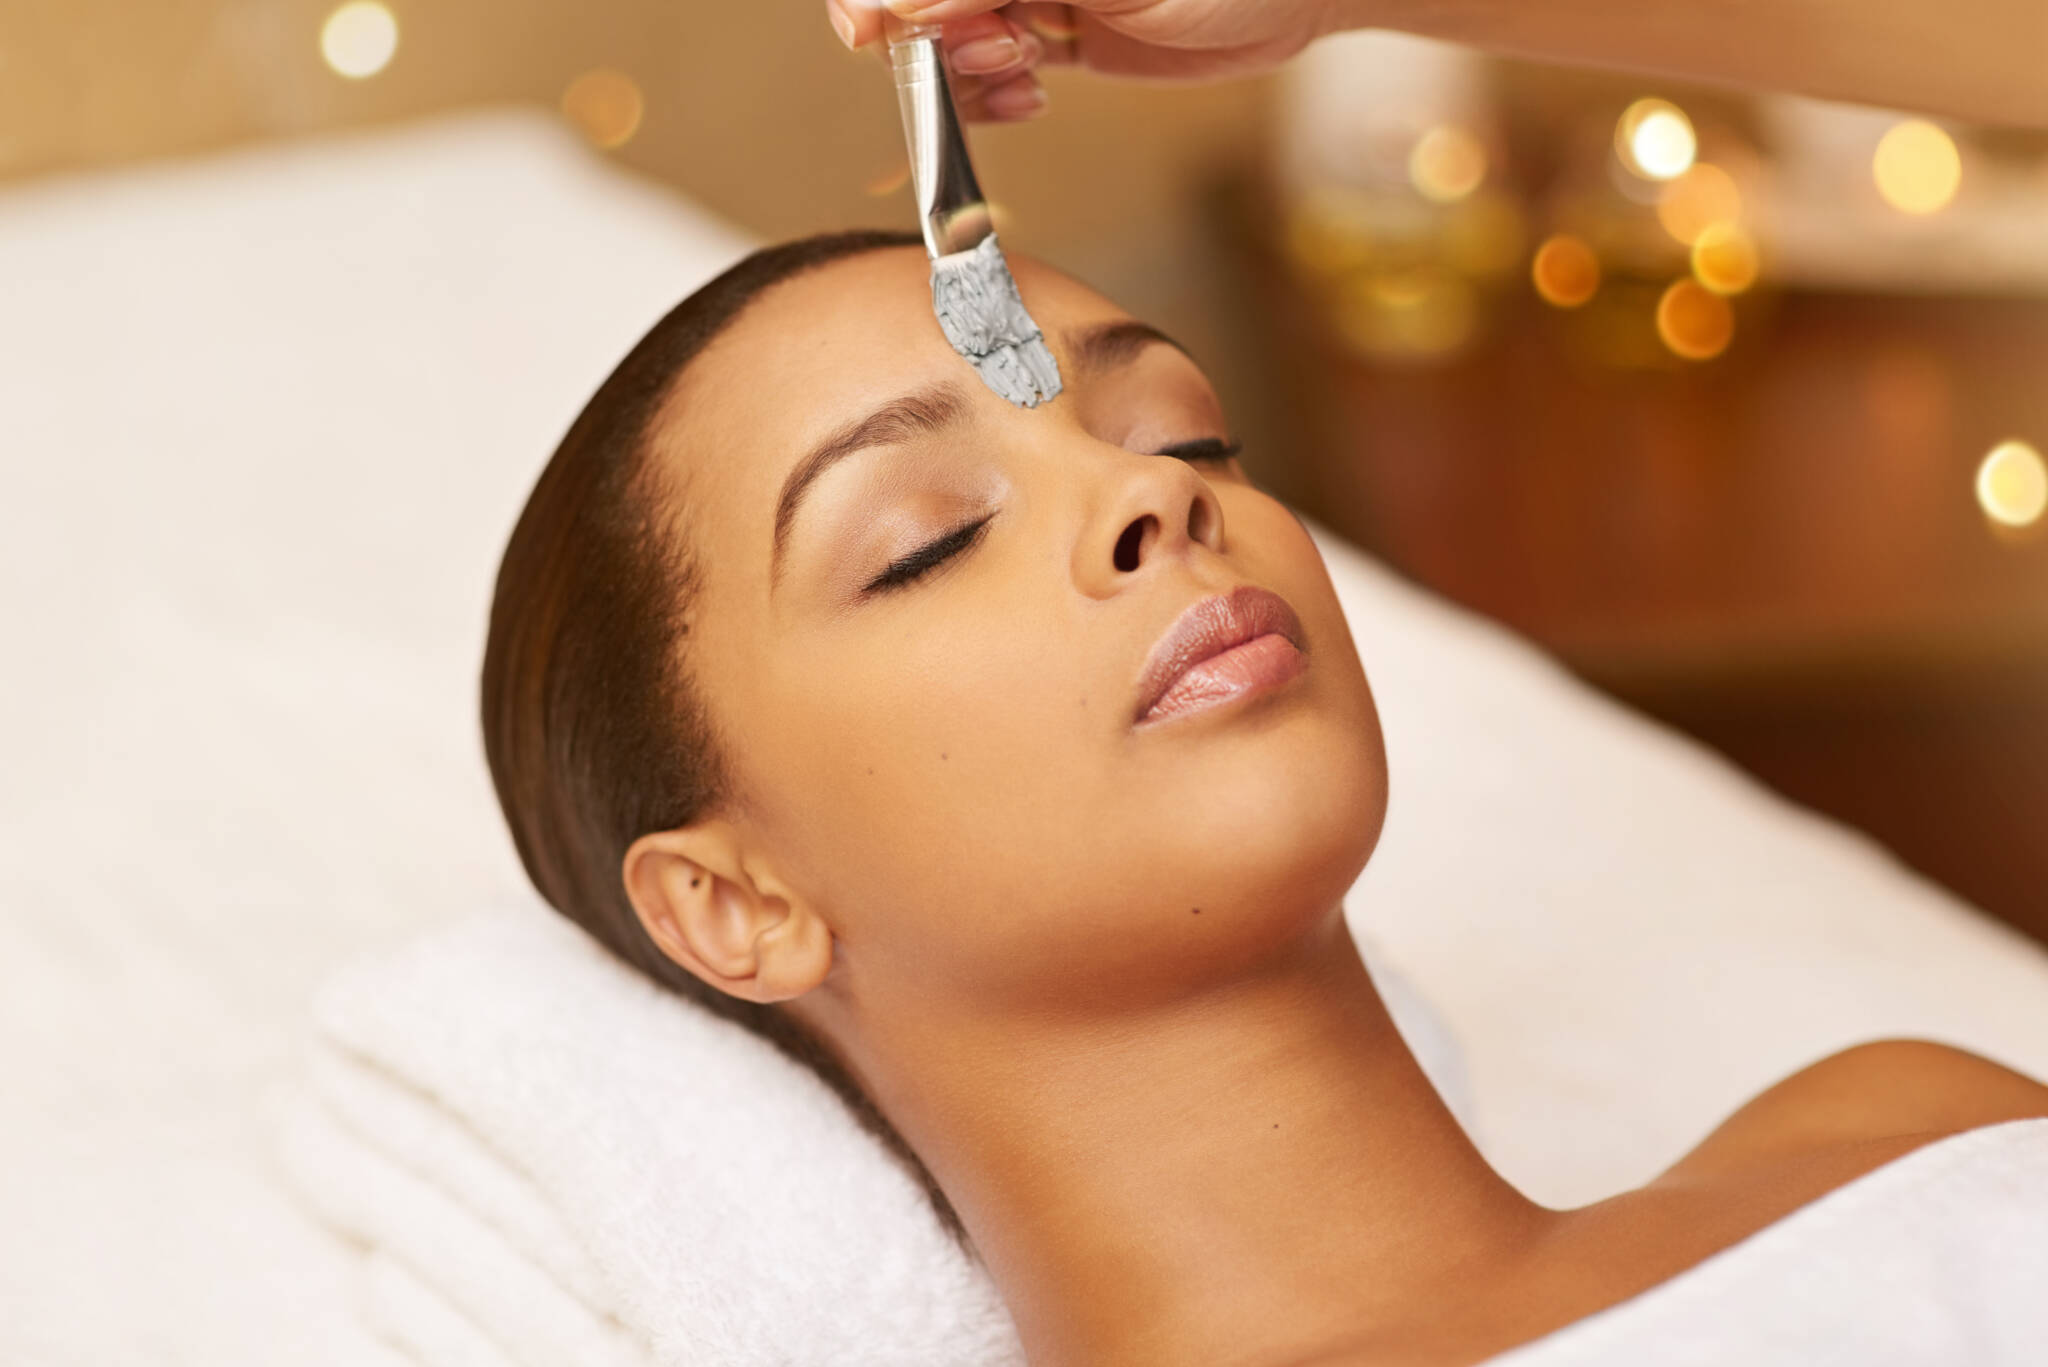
x=926, y=558
x=1205, y=448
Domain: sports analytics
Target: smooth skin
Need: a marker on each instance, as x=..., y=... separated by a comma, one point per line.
x=1980, y=60
x=1097, y=973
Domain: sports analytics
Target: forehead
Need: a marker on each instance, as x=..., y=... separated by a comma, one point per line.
x=858, y=327
x=811, y=353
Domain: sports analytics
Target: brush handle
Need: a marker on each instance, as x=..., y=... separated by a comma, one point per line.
x=950, y=207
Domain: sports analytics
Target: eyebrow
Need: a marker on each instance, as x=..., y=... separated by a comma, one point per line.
x=1103, y=346
x=911, y=415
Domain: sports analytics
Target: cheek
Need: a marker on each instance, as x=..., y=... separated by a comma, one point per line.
x=958, y=793
x=934, y=778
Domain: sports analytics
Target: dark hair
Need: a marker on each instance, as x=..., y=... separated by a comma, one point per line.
x=592, y=728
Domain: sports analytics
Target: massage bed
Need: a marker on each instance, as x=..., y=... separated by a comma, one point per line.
x=268, y=417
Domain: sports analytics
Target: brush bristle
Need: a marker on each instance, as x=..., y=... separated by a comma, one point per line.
x=983, y=316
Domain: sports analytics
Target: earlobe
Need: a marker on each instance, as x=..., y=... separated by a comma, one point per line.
x=704, y=909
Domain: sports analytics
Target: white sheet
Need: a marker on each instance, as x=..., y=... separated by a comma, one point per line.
x=266, y=420
x=1935, y=1259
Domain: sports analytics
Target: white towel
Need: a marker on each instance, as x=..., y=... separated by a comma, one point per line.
x=455, y=1272
x=548, y=1159
x=416, y=1319
x=1939, y=1258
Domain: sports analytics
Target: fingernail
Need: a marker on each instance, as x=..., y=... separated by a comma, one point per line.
x=842, y=24
x=1016, y=100
x=911, y=9
x=1052, y=29
x=985, y=55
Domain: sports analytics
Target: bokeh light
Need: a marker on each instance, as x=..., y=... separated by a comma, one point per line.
x=1655, y=139
x=2012, y=484
x=1618, y=326
x=605, y=105
x=1566, y=271
x=1694, y=322
x=359, y=39
x=1417, y=312
x=1329, y=230
x=1484, y=236
x=1724, y=259
x=1447, y=164
x=1917, y=167
x=1691, y=203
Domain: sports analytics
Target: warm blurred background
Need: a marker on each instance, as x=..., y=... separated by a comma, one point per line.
x=1736, y=404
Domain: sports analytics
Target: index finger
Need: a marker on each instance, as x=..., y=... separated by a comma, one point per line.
x=859, y=22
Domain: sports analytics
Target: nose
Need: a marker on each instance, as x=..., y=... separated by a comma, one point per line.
x=1160, y=507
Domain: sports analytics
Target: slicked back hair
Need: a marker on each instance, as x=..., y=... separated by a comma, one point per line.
x=593, y=728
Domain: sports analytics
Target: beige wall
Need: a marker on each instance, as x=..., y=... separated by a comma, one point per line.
x=752, y=107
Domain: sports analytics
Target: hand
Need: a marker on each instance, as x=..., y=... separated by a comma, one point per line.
x=994, y=47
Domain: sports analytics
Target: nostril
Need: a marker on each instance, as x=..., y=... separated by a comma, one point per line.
x=1131, y=544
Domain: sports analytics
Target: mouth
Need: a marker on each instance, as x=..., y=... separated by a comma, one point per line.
x=1221, y=648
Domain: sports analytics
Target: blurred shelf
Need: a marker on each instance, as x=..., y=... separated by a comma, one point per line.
x=1778, y=550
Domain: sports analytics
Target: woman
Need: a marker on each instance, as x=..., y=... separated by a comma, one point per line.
x=845, y=697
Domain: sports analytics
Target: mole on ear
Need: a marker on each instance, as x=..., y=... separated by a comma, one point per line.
x=1196, y=910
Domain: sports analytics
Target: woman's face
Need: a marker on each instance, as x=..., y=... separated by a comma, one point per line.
x=947, y=768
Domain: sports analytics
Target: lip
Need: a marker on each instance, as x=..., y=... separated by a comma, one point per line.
x=1213, y=626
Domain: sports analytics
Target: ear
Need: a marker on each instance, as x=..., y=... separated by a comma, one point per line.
x=732, y=925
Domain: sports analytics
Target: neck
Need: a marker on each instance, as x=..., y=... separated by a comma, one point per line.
x=1248, y=1177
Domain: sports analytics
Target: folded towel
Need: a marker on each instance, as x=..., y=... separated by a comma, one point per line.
x=458, y=1272
x=411, y=1315
x=549, y=1159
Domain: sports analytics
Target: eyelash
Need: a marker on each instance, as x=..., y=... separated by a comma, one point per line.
x=1205, y=448
x=929, y=557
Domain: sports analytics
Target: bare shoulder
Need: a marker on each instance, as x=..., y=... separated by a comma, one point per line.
x=1888, y=1089
x=1795, y=1141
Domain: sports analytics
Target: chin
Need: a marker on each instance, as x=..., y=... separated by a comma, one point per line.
x=1301, y=780
x=1274, y=825
x=1311, y=812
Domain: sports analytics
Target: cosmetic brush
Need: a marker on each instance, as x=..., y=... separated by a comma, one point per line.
x=973, y=292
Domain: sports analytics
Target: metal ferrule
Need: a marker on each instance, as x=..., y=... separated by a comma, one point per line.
x=949, y=204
